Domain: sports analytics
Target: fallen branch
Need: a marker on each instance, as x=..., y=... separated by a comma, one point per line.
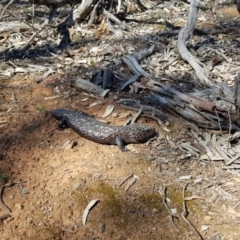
x=166, y=206
x=83, y=10
x=185, y=212
x=182, y=38
x=4, y=10
x=89, y=87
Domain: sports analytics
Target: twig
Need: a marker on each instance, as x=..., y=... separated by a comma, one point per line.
x=125, y=179
x=1, y=201
x=35, y=34
x=234, y=166
x=233, y=159
x=4, y=10
x=67, y=230
x=219, y=53
x=141, y=5
x=166, y=206
x=185, y=212
x=230, y=127
x=130, y=183
x=169, y=63
x=219, y=122
x=136, y=116
x=93, y=13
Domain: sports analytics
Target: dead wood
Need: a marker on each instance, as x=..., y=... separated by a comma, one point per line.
x=141, y=5
x=77, y=14
x=185, y=213
x=182, y=38
x=237, y=96
x=4, y=10
x=134, y=66
x=88, y=87
x=13, y=26
x=83, y=10
x=197, y=102
x=93, y=13
x=201, y=111
x=131, y=80
x=173, y=216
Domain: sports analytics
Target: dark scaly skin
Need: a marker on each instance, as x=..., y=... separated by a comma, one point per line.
x=87, y=127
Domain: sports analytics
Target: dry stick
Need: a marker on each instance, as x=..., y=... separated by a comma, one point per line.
x=52, y=12
x=184, y=213
x=182, y=38
x=230, y=127
x=166, y=206
x=119, y=6
x=4, y=10
x=219, y=123
x=219, y=53
x=141, y=5
x=1, y=201
x=130, y=183
x=136, y=116
x=93, y=13
x=169, y=63
x=35, y=34
x=125, y=179
x=233, y=159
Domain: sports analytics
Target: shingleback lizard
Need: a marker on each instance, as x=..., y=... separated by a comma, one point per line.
x=87, y=127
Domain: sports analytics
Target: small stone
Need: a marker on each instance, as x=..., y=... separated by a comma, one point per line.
x=69, y=145
x=224, y=207
x=30, y=220
x=164, y=166
x=229, y=184
x=76, y=185
x=173, y=210
x=214, y=197
x=114, y=115
x=115, y=97
x=149, y=158
x=102, y=227
x=64, y=168
x=18, y=206
x=97, y=175
x=204, y=228
x=167, y=124
x=207, y=219
x=154, y=210
x=132, y=148
x=109, y=166
x=198, y=180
